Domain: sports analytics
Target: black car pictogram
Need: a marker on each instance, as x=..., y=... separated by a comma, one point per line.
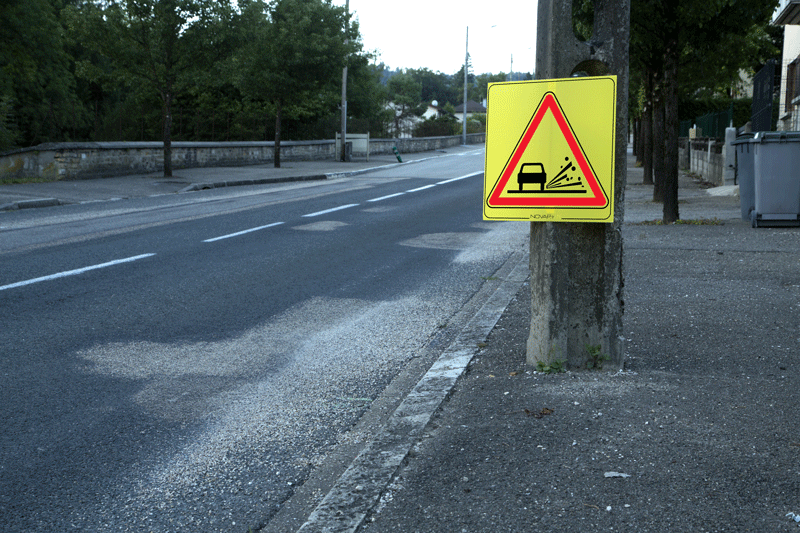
x=531, y=173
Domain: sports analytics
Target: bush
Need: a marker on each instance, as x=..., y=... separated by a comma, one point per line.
x=437, y=127
x=8, y=134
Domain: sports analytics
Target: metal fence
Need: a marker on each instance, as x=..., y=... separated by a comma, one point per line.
x=763, y=89
x=711, y=125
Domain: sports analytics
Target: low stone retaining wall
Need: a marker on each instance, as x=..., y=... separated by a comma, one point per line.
x=704, y=157
x=72, y=161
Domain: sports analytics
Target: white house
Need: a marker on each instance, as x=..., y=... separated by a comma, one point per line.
x=788, y=16
x=433, y=111
x=472, y=108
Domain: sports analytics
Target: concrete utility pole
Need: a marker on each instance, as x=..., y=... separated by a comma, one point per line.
x=576, y=268
x=343, y=154
x=466, y=75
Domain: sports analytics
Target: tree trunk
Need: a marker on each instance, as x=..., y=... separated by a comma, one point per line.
x=658, y=145
x=639, y=142
x=278, y=112
x=168, y=132
x=647, y=146
x=647, y=132
x=670, y=184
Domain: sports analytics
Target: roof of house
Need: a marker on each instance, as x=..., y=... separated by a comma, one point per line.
x=788, y=13
x=472, y=107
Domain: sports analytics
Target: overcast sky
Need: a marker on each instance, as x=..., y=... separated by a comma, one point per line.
x=432, y=33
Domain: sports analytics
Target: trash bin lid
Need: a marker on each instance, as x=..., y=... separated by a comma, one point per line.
x=744, y=138
x=777, y=136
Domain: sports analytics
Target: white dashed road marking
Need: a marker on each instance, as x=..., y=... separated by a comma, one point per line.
x=73, y=272
x=243, y=232
x=318, y=213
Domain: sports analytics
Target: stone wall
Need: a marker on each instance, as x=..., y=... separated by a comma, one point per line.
x=704, y=157
x=72, y=161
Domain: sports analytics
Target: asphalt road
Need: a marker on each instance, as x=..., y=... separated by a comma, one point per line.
x=182, y=363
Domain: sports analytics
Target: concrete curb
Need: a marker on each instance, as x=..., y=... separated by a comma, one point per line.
x=49, y=202
x=318, y=177
x=335, y=175
x=359, y=489
x=29, y=204
x=221, y=184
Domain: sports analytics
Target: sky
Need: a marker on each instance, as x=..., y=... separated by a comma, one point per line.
x=432, y=34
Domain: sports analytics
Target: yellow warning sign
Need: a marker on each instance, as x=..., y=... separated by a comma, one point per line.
x=550, y=150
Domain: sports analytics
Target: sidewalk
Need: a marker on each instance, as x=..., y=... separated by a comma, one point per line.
x=697, y=434
x=31, y=195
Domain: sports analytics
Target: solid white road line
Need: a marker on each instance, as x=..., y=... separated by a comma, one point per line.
x=243, y=232
x=74, y=272
x=318, y=213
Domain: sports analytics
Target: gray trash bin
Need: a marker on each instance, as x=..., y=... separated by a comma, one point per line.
x=777, y=179
x=745, y=177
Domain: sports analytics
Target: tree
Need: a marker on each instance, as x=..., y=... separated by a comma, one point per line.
x=295, y=56
x=405, y=95
x=366, y=97
x=669, y=185
x=685, y=46
x=149, y=44
x=37, y=88
x=458, y=83
x=437, y=86
x=482, y=85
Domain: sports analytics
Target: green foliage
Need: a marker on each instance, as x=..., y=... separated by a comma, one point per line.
x=476, y=123
x=582, y=19
x=458, y=84
x=691, y=108
x=138, y=50
x=405, y=95
x=293, y=52
x=482, y=81
x=8, y=132
x=553, y=367
x=207, y=69
x=596, y=357
x=437, y=127
x=720, y=38
x=477, y=85
x=365, y=98
x=292, y=57
x=37, y=88
x=436, y=86
x=716, y=38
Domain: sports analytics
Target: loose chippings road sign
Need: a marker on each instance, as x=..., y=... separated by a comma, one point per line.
x=550, y=150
